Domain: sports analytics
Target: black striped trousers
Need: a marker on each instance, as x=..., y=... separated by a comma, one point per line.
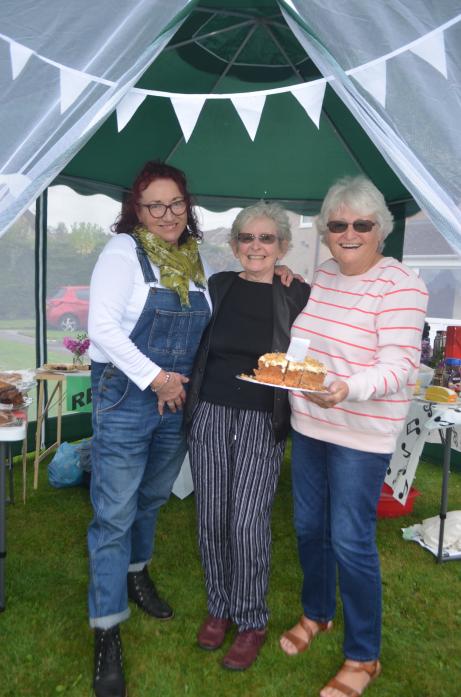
x=235, y=465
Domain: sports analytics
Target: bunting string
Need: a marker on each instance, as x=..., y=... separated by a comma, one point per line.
x=372, y=77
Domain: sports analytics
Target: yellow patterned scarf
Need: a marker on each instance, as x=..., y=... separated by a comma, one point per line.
x=178, y=265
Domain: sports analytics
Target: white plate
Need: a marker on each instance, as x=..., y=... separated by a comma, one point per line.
x=247, y=378
x=53, y=368
x=70, y=371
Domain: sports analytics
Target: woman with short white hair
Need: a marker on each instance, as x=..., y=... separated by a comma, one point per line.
x=364, y=320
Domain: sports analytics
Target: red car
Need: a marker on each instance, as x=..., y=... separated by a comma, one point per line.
x=67, y=309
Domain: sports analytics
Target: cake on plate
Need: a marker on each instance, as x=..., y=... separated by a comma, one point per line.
x=276, y=369
x=437, y=393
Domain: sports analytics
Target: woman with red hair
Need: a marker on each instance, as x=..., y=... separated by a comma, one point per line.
x=148, y=309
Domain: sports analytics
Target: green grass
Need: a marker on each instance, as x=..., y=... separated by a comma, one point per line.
x=15, y=355
x=47, y=647
x=28, y=324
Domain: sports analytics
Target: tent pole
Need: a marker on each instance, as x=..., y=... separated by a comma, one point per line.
x=223, y=74
x=41, y=213
x=41, y=224
x=199, y=37
x=284, y=53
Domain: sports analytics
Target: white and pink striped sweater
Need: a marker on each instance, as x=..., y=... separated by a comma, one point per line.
x=367, y=330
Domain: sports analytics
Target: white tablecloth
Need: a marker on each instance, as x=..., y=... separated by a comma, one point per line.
x=424, y=421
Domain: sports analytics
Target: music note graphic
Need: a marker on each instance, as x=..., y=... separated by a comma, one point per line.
x=405, y=490
x=412, y=426
x=401, y=472
x=406, y=453
x=428, y=408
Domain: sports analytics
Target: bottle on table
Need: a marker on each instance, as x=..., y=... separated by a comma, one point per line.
x=452, y=362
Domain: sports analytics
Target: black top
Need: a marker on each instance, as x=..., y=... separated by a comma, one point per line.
x=242, y=332
x=287, y=303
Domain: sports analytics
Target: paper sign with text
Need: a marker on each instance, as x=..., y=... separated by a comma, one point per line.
x=297, y=350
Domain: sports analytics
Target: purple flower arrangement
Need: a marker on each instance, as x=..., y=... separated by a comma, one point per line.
x=78, y=346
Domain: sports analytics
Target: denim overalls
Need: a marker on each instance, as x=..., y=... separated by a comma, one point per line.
x=136, y=453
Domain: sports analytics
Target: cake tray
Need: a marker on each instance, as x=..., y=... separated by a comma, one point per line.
x=248, y=378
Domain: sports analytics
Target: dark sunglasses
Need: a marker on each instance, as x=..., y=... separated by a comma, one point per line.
x=358, y=225
x=265, y=237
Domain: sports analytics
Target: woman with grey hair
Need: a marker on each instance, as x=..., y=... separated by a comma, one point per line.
x=237, y=431
x=364, y=320
x=360, y=194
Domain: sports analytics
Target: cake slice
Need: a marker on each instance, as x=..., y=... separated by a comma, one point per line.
x=275, y=369
x=313, y=375
x=271, y=368
x=443, y=395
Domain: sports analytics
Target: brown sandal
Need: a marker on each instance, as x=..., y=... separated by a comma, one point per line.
x=372, y=668
x=303, y=644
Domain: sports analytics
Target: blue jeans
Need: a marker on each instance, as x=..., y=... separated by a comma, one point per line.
x=137, y=467
x=336, y=492
x=136, y=453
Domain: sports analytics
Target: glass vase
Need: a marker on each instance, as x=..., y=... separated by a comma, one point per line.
x=78, y=360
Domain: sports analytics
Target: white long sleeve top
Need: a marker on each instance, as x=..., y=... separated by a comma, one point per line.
x=367, y=330
x=118, y=294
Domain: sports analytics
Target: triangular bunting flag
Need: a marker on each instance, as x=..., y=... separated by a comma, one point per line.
x=19, y=55
x=373, y=80
x=15, y=182
x=127, y=108
x=310, y=96
x=72, y=85
x=187, y=111
x=432, y=50
x=249, y=109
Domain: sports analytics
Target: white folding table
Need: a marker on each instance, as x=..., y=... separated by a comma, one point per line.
x=8, y=434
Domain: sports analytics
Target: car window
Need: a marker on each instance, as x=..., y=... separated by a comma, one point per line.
x=59, y=293
x=83, y=294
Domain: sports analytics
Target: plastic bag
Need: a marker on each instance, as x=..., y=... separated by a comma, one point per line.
x=64, y=470
x=84, y=450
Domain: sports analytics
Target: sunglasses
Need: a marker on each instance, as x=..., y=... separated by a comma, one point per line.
x=358, y=225
x=264, y=238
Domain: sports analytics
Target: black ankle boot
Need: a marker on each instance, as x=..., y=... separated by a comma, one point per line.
x=108, y=665
x=142, y=591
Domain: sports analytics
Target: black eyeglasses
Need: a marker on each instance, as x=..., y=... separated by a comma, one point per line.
x=358, y=225
x=158, y=210
x=265, y=237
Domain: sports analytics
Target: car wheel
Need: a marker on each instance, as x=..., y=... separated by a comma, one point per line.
x=68, y=323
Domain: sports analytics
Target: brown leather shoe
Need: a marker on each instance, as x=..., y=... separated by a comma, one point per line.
x=212, y=632
x=245, y=649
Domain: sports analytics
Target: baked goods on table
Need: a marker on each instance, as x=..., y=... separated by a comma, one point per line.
x=274, y=368
x=11, y=418
x=62, y=367
x=439, y=394
x=6, y=418
x=9, y=394
x=10, y=378
x=13, y=388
